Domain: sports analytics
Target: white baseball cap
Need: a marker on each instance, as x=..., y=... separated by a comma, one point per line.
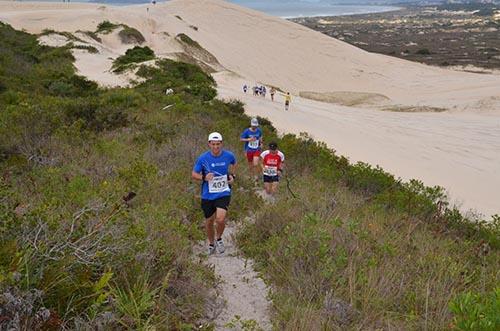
x=254, y=122
x=215, y=136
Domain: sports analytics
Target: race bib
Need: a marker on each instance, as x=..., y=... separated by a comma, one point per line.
x=254, y=144
x=270, y=171
x=218, y=184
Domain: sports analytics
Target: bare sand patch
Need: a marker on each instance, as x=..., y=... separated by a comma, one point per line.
x=346, y=98
x=53, y=40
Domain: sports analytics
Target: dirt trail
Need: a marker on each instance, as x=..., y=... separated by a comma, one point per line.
x=241, y=292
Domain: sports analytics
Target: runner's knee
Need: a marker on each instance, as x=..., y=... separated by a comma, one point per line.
x=220, y=219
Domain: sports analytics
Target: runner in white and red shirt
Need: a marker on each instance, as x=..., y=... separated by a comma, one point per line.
x=272, y=165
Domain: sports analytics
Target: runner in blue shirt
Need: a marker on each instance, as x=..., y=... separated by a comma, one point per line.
x=252, y=137
x=215, y=168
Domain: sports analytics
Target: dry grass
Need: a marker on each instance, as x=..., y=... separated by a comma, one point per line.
x=346, y=98
x=413, y=109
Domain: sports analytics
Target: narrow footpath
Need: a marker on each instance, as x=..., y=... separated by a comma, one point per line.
x=240, y=301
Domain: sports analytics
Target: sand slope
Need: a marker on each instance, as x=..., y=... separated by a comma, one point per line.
x=270, y=50
x=458, y=151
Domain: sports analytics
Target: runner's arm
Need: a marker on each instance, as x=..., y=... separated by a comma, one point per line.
x=232, y=171
x=244, y=137
x=198, y=176
x=282, y=167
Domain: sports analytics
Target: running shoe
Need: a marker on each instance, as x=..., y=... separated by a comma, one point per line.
x=220, y=246
x=211, y=249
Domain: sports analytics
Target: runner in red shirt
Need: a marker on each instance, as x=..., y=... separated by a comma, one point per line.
x=272, y=164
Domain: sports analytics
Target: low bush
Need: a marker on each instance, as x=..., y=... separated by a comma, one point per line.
x=187, y=40
x=106, y=27
x=423, y=51
x=133, y=55
x=68, y=35
x=130, y=35
x=90, y=49
x=473, y=311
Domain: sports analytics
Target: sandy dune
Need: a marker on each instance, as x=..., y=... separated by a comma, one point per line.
x=458, y=149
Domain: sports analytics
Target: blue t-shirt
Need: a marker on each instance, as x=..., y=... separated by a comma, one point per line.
x=219, y=166
x=251, y=146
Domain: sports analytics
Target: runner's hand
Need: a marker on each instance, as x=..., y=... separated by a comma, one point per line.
x=230, y=179
x=253, y=139
x=209, y=176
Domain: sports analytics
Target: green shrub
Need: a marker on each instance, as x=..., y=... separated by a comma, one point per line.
x=133, y=55
x=90, y=49
x=73, y=86
x=106, y=27
x=423, y=51
x=473, y=311
x=68, y=35
x=10, y=98
x=130, y=35
x=187, y=40
x=236, y=106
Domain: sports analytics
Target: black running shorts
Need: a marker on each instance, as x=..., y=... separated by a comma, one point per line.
x=210, y=206
x=271, y=179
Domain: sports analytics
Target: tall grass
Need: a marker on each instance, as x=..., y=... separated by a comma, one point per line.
x=96, y=219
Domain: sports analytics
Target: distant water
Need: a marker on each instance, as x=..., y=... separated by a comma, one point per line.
x=309, y=8
x=280, y=8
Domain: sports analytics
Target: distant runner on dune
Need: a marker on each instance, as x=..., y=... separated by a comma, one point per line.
x=272, y=92
x=288, y=99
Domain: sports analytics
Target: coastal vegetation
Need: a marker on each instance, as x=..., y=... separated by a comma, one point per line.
x=127, y=34
x=130, y=35
x=188, y=41
x=88, y=48
x=99, y=217
x=132, y=56
x=106, y=27
x=92, y=35
x=462, y=34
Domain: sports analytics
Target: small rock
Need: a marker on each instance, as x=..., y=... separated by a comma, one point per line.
x=21, y=210
x=341, y=311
